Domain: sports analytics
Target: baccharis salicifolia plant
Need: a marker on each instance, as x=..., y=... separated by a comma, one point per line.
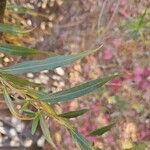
x=35, y=105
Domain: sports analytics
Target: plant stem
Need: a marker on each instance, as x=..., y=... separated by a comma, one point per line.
x=2, y=11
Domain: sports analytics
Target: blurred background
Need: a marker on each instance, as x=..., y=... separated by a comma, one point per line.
x=71, y=26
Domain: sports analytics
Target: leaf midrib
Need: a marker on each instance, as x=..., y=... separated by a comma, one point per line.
x=43, y=65
x=56, y=97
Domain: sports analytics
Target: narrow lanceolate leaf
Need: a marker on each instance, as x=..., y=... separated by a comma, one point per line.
x=45, y=130
x=9, y=103
x=24, y=10
x=73, y=114
x=35, y=123
x=81, y=141
x=18, y=50
x=29, y=112
x=74, y=92
x=12, y=107
x=17, y=81
x=46, y=64
x=18, y=8
x=12, y=29
x=101, y=131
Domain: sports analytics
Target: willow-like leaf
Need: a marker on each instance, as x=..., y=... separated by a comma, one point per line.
x=12, y=107
x=81, y=141
x=12, y=29
x=73, y=114
x=17, y=81
x=45, y=130
x=19, y=50
x=35, y=123
x=46, y=64
x=20, y=9
x=74, y=92
x=101, y=131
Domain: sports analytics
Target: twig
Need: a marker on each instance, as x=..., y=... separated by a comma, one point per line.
x=101, y=13
x=113, y=15
x=2, y=11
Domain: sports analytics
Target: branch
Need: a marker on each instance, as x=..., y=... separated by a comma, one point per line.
x=2, y=11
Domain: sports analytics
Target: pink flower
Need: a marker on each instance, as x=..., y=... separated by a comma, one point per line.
x=143, y=85
x=146, y=72
x=110, y=139
x=140, y=77
x=143, y=132
x=138, y=71
x=107, y=55
x=116, y=84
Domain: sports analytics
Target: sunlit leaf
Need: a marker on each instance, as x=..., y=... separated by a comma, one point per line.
x=101, y=131
x=9, y=103
x=29, y=112
x=73, y=114
x=12, y=107
x=12, y=29
x=35, y=123
x=25, y=106
x=74, y=92
x=17, y=81
x=25, y=109
x=20, y=9
x=81, y=141
x=45, y=130
x=19, y=50
x=47, y=64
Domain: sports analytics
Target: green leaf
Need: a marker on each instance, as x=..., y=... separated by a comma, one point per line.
x=142, y=20
x=101, y=131
x=73, y=114
x=18, y=50
x=24, y=10
x=81, y=141
x=74, y=92
x=17, y=81
x=45, y=130
x=18, y=8
x=12, y=107
x=29, y=112
x=9, y=103
x=25, y=109
x=12, y=29
x=35, y=123
x=46, y=64
x=25, y=106
x=136, y=27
